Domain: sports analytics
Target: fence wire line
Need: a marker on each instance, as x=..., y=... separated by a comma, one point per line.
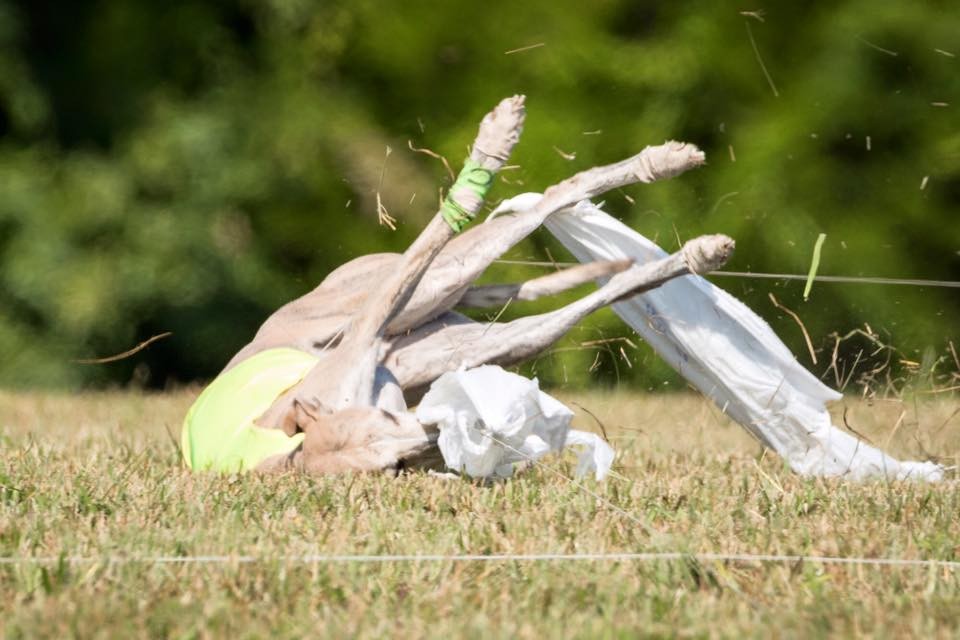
x=914, y=282
x=660, y=556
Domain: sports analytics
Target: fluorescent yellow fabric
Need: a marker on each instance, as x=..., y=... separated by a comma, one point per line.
x=219, y=432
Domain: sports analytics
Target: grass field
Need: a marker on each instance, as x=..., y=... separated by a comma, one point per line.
x=98, y=475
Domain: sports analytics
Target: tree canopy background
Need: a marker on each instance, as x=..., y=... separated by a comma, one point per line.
x=190, y=165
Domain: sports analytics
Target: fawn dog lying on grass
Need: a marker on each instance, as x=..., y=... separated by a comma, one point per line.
x=325, y=383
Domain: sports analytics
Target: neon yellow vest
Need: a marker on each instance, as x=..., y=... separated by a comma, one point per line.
x=219, y=433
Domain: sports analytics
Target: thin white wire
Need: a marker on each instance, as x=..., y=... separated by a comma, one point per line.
x=914, y=282
x=739, y=558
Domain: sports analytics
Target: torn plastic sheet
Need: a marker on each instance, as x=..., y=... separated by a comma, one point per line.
x=490, y=419
x=729, y=353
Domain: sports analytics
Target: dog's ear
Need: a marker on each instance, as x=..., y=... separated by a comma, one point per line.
x=304, y=414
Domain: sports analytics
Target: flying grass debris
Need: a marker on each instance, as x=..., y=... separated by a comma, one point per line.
x=526, y=48
x=129, y=352
x=814, y=265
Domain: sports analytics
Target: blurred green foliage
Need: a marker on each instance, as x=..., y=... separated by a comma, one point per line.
x=190, y=165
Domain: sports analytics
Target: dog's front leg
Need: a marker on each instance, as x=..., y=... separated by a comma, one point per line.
x=345, y=377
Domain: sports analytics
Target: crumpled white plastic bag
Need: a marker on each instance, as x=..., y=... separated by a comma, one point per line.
x=729, y=353
x=490, y=419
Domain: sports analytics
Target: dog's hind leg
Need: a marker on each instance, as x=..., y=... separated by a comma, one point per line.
x=452, y=341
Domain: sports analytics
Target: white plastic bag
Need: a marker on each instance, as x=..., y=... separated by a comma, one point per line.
x=729, y=353
x=490, y=419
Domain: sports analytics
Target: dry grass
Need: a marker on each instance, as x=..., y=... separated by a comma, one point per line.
x=98, y=475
